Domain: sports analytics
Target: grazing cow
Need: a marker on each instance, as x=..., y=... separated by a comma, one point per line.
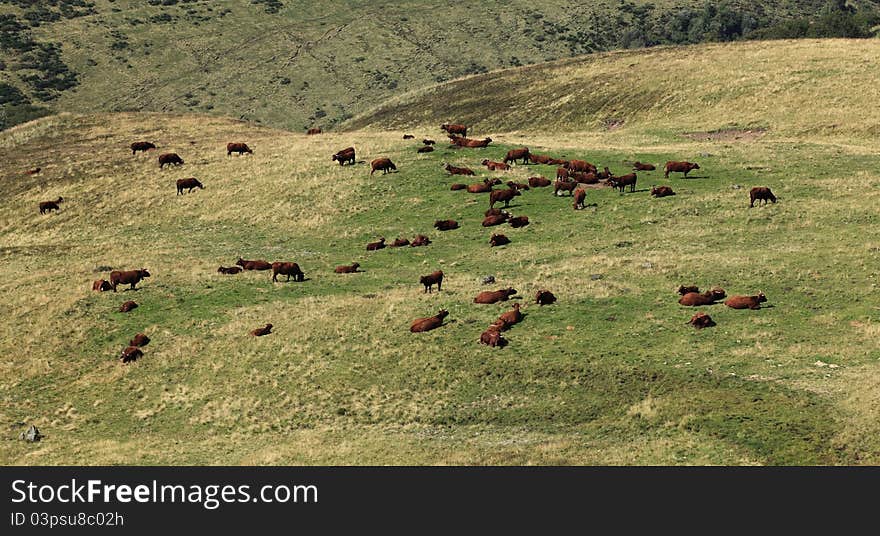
x=426, y=141
x=458, y=186
x=425, y=149
x=454, y=129
x=435, y=278
x=140, y=340
x=126, y=307
x=746, y=302
x=400, y=242
x=48, y=206
x=188, y=184
x=568, y=186
x=580, y=165
x=579, y=196
x=483, y=187
x=130, y=277
x=314, y=130
x=623, y=181
x=584, y=178
x=493, y=337
x=141, y=146
x=517, y=154
x=495, y=166
x=517, y=185
x=502, y=195
x=258, y=265
x=701, y=320
x=514, y=316
x=232, y=270
x=420, y=240
x=679, y=167
x=545, y=297
x=693, y=299
x=259, y=332
x=445, y=225
x=467, y=142
x=427, y=324
x=345, y=156
x=131, y=353
x=760, y=193
x=385, y=164
x=373, y=246
x=538, y=182
x=661, y=191
x=458, y=170
x=495, y=219
x=169, y=159
x=498, y=240
x=33, y=171
x=519, y=221
x=408, y=137
x=638, y=166
x=348, y=269
x=101, y=285
x=495, y=296
x=561, y=173
x=237, y=147
x=288, y=269
x=685, y=290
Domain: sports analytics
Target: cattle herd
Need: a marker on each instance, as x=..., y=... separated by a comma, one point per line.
x=571, y=177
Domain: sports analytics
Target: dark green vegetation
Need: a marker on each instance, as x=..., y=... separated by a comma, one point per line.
x=299, y=64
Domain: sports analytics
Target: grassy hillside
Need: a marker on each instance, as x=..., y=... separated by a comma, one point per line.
x=298, y=64
x=609, y=375
x=804, y=88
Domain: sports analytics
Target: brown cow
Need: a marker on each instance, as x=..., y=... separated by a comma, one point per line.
x=513, y=316
x=435, y=278
x=661, y=191
x=141, y=146
x=494, y=212
x=385, y=164
x=495, y=296
x=408, y=137
x=314, y=130
x=603, y=175
x=131, y=353
x=623, y=181
x=701, y=320
x=445, y=225
x=189, y=184
x=693, y=299
x=169, y=159
x=638, y=166
x=568, y=186
x=540, y=158
x=679, y=167
x=232, y=270
x=126, y=307
x=760, y=193
x=101, y=285
x=538, y=182
x=345, y=156
x=496, y=219
x=580, y=165
x=348, y=269
x=127, y=277
x=502, y=195
x=420, y=240
x=238, y=147
x=259, y=332
x=746, y=302
x=561, y=173
x=426, y=141
x=400, y=242
x=687, y=289
x=545, y=297
x=579, y=196
x=517, y=154
x=498, y=240
x=458, y=170
x=466, y=142
x=484, y=187
x=584, y=178
x=495, y=166
x=288, y=269
x=427, y=324
x=493, y=337
x=48, y=206
x=425, y=149
x=517, y=185
x=454, y=129
x=373, y=246
x=140, y=340
x=519, y=221
x=33, y=171
x=458, y=186
x=258, y=265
